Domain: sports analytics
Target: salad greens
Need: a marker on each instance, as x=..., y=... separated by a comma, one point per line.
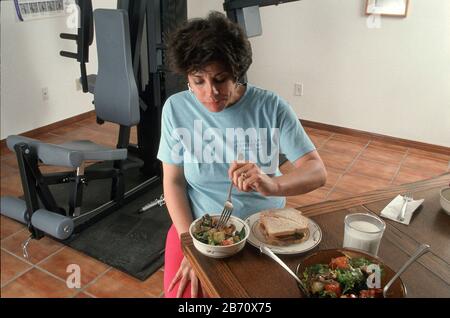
x=343, y=277
x=205, y=232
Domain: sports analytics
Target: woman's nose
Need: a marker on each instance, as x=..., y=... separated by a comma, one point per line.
x=213, y=90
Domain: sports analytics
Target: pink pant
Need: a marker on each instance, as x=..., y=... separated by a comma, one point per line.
x=172, y=260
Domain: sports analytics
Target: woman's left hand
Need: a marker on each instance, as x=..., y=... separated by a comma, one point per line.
x=247, y=176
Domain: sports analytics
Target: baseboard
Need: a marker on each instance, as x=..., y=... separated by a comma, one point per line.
x=305, y=123
x=50, y=127
x=378, y=137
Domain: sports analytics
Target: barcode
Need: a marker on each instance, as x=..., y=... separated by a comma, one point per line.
x=38, y=7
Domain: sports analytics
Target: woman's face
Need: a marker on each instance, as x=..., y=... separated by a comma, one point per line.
x=214, y=86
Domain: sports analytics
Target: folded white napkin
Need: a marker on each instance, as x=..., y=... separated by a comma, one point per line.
x=394, y=208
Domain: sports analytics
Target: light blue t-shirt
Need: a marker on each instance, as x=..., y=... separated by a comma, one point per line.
x=204, y=143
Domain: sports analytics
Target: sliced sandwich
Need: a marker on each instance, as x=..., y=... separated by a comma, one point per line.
x=284, y=226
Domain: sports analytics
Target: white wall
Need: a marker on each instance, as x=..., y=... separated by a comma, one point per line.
x=30, y=60
x=200, y=8
x=394, y=80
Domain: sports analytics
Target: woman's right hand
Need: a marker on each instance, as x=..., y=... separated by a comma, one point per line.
x=185, y=274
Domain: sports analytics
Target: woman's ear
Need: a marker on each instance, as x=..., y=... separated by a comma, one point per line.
x=237, y=83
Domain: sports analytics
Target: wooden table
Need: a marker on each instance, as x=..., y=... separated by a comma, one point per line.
x=250, y=274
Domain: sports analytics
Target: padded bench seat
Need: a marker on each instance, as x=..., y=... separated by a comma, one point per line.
x=70, y=154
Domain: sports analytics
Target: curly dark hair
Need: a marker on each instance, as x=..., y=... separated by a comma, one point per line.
x=199, y=42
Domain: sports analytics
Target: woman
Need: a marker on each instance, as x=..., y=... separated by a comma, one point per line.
x=207, y=127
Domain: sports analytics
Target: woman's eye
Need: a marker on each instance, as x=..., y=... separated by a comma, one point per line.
x=216, y=80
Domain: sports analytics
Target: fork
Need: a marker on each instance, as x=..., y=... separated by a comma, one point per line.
x=228, y=206
x=227, y=210
x=406, y=198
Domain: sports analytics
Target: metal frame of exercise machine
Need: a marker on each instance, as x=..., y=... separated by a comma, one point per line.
x=148, y=21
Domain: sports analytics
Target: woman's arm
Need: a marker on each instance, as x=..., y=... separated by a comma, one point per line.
x=181, y=215
x=176, y=199
x=308, y=174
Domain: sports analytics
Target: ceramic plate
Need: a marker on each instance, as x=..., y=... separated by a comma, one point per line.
x=256, y=237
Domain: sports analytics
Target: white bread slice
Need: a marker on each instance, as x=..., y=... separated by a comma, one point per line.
x=279, y=227
x=289, y=214
x=284, y=226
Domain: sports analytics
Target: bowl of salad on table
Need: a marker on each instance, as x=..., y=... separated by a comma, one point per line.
x=347, y=273
x=220, y=242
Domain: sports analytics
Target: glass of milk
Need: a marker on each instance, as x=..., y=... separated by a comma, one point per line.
x=363, y=231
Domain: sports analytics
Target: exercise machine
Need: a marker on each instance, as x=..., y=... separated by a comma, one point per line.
x=130, y=88
x=116, y=101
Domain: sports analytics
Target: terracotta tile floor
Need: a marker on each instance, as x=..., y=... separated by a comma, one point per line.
x=354, y=164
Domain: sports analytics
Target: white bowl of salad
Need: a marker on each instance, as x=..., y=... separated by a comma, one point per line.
x=222, y=242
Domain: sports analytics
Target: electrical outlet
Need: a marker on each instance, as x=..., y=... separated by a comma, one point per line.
x=44, y=93
x=298, y=89
x=78, y=84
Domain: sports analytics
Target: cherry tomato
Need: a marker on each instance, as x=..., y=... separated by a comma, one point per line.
x=226, y=242
x=339, y=262
x=334, y=288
